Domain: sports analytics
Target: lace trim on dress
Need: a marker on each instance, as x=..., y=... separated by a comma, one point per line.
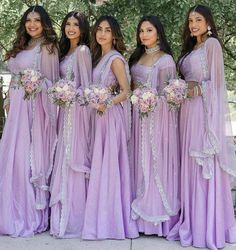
x=67, y=133
x=136, y=211
x=67, y=128
x=205, y=158
x=52, y=153
x=36, y=178
x=156, y=175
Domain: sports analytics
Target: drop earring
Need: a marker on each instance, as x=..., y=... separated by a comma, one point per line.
x=209, y=33
x=114, y=41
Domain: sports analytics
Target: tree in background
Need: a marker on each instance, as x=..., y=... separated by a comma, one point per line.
x=128, y=12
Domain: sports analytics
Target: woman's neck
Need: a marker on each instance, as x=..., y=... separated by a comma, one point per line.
x=106, y=49
x=201, y=39
x=73, y=46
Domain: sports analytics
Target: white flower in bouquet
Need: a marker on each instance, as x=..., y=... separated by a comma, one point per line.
x=175, y=93
x=31, y=81
x=145, y=99
x=63, y=93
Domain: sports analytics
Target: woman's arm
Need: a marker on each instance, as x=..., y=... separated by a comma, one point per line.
x=118, y=68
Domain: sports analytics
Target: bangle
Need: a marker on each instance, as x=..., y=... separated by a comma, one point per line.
x=188, y=94
x=6, y=102
x=200, y=89
x=195, y=91
x=109, y=103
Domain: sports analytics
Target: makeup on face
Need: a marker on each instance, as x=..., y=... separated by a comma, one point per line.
x=33, y=25
x=148, y=34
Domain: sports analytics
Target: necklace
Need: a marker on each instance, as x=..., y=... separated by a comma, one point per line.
x=152, y=50
x=33, y=41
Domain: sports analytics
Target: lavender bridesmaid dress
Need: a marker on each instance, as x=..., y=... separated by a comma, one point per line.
x=26, y=149
x=207, y=216
x=71, y=169
x=107, y=213
x=155, y=154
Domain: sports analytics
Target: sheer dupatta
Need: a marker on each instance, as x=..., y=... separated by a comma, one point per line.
x=126, y=105
x=43, y=132
x=217, y=141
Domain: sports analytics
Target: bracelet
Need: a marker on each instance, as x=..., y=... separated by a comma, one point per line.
x=109, y=103
x=6, y=102
x=200, y=89
x=195, y=91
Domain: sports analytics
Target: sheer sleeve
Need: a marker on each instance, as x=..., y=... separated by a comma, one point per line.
x=49, y=67
x=43, y=129
x=82, y=69
x=217, y=141
x=167, y=71
x=84, y=66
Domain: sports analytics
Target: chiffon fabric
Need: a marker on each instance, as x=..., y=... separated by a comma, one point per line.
x=207, y=160
x=107, y=213
x=72, y=160
x=27, y=147
x=155, y=154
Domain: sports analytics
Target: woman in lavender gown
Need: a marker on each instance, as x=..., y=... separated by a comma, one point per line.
x=72, y=166
x=107, y=213
x=154, y=143
x=207, y=158
x=28, y=141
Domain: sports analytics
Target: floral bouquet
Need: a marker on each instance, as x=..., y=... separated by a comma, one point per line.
x=31, y=81
x=145, y=99
x=95, y=95
x=175, y=93
x=63, y=93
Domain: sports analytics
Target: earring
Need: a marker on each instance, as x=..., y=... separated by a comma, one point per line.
x=114, y=41
x=209, y=33
x=191, y=34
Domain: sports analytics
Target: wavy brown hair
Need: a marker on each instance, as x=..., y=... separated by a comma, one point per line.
x=22, y=37
x=64, y=43
x=117, y=36
x=140, y=48
x=188, y=41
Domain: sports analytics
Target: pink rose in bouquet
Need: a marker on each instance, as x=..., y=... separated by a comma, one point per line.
x=175, y=93
x=145, y=99
x=31, y=81
x=63, y=93
x=96, y=95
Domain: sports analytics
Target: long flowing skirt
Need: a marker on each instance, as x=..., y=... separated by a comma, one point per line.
x=207, y=216
x=20, y=213
x=70, y=175
x=108, y=211
x=156, y=170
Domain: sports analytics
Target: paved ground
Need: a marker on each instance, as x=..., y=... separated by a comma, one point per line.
x=46, y=242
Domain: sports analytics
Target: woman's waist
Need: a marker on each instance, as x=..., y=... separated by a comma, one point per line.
x=141, y=84
x=15, y=80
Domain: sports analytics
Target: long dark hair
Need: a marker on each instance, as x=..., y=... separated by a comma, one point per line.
x=116, y=33
x=188, y=41
x=140, y=48
x=22, y=37
x=64, y=43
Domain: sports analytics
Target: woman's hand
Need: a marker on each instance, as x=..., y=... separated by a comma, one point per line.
x=6, y=104
x=101, y=108
x=7, y=108
x=190, y=93
x=191, y=85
